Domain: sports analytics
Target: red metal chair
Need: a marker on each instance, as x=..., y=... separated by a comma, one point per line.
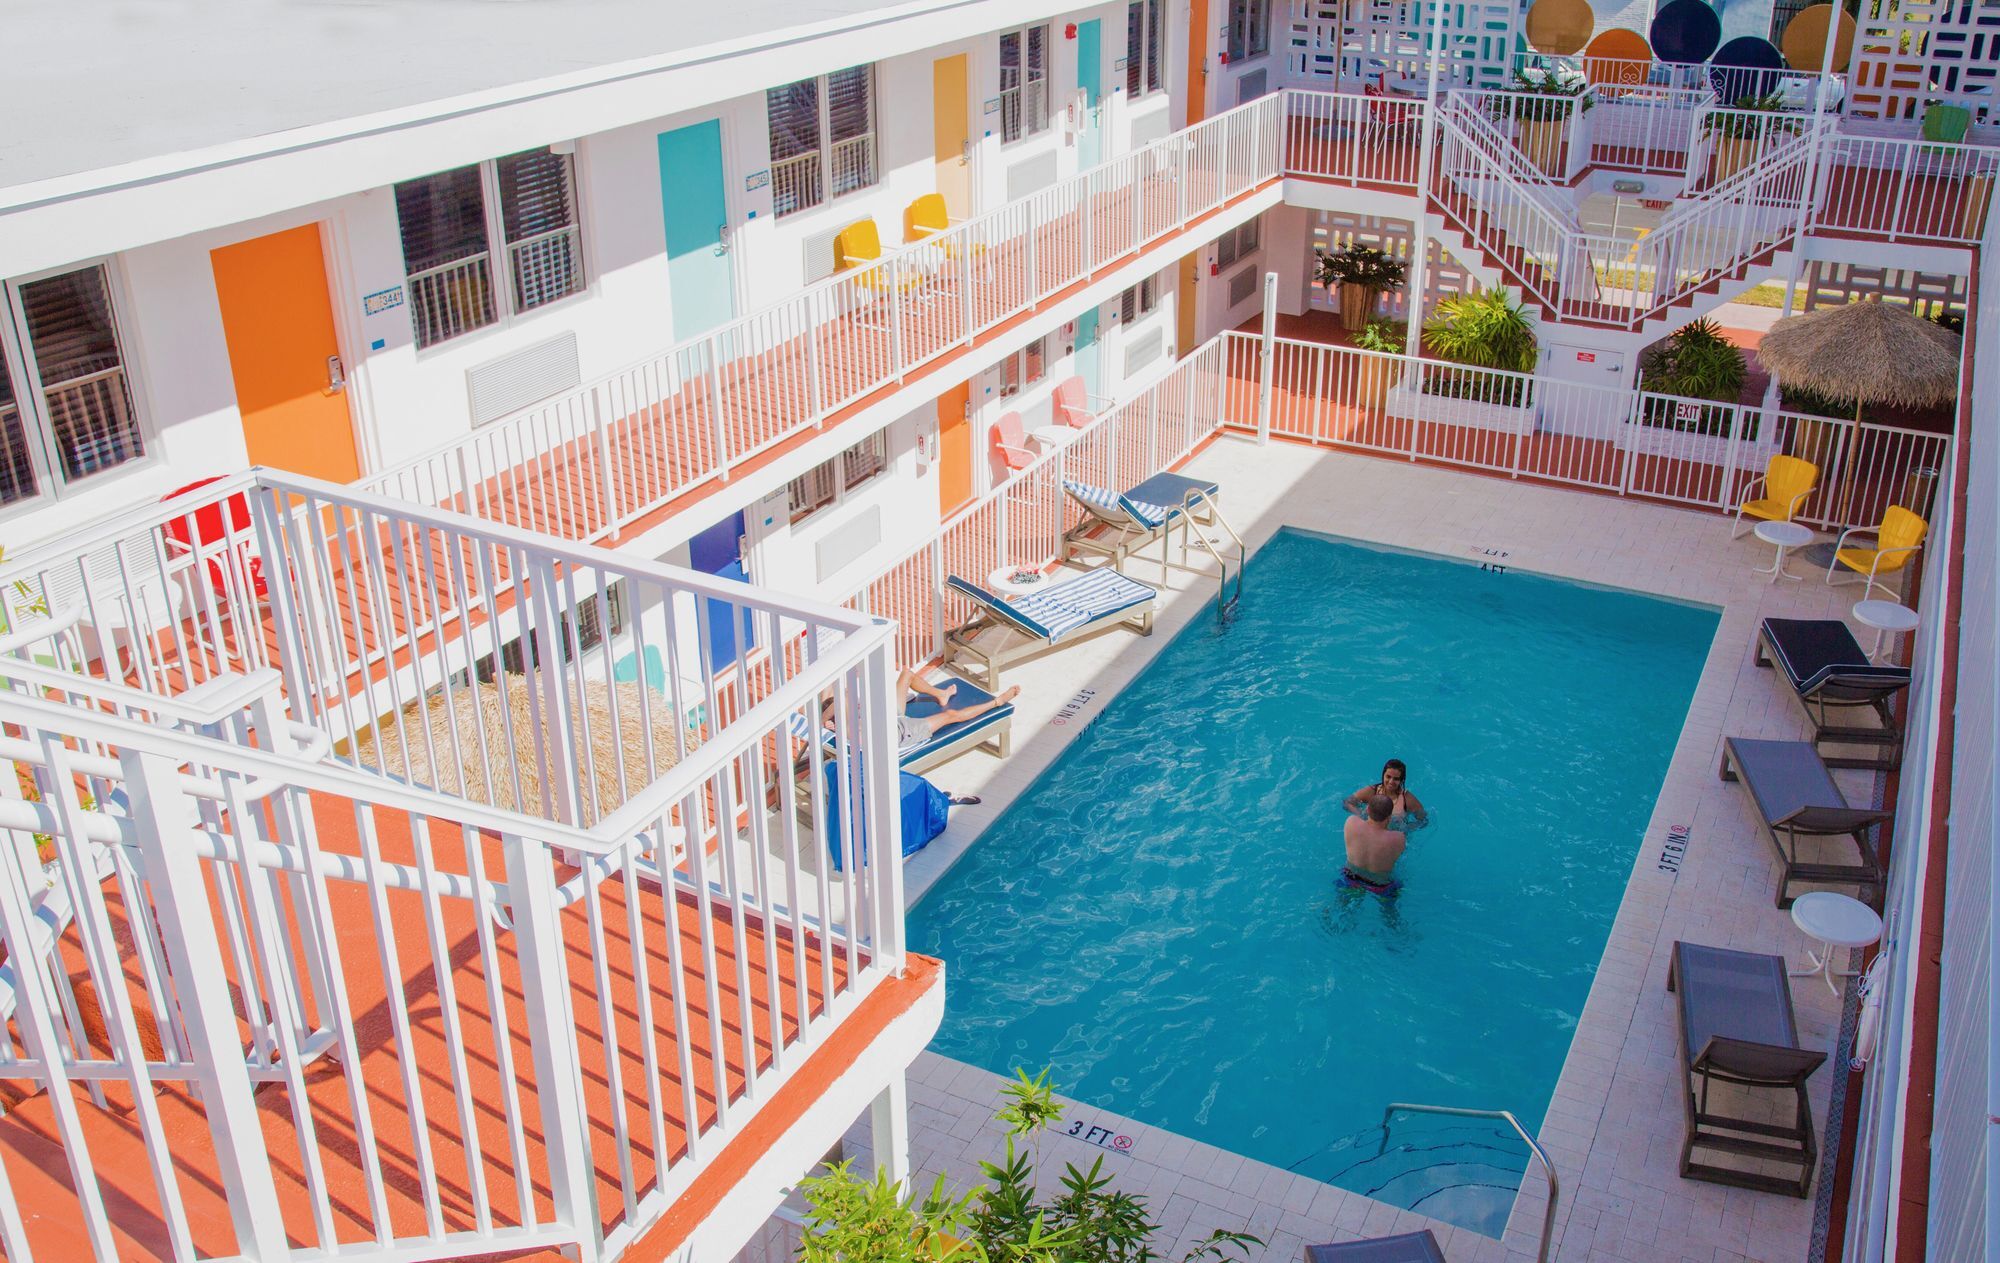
x=195, y=534
x=1388, y=113
x=1010, y=442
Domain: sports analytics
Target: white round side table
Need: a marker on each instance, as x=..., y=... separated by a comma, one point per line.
x=1884, y=617
x=1003, y=581
x=1783, y=535
x=1835, y=921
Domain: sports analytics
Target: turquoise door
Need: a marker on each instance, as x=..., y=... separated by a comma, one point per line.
x=1090, y=77
x=1087, y=351
x=691, y=199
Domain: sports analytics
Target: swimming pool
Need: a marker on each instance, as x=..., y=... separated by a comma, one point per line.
x=1158, y=919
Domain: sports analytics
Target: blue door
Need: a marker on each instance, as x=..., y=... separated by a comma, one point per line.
x=1090, y=77
x=1087, y=351
x=696, y=214
x=719, y=551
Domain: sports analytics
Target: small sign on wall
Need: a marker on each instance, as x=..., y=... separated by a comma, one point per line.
x=757, y=180
x=1586, y=357
x=993, y=105
x=382, y=300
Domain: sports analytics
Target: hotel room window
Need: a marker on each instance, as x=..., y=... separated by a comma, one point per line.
x=822, y=134
x=1249, y=29
x=1142, y=47
x=1024, y=83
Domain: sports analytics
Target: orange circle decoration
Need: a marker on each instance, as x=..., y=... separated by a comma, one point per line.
x=1559, y=27
x=1617, y=56
x=1804, y=41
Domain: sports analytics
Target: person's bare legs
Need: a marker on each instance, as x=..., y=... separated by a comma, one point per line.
x=908, y=682
x=945, y=718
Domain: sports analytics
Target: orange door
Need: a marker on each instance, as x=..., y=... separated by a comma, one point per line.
x=951, y=134
x=954, y=448
x=283, y=354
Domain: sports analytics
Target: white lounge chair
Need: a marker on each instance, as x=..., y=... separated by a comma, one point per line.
x=1009, y=629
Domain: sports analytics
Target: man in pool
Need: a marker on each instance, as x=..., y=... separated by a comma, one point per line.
x=1373, y=847
x=1405, y=812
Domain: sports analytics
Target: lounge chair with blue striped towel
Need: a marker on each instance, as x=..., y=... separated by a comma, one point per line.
x=1137, y=516
x=990, y=730
x=1008, y=629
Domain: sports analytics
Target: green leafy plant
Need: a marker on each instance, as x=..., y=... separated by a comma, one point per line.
x=1383, y=335
x=1945, y=318
x=1540, y=95
x=1696, y=362
x=1488, y=328
x=1750, y=117
x=1362, y=266
x=1008, y=1220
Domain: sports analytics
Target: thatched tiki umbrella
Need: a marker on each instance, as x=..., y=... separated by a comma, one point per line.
x=1870, y=352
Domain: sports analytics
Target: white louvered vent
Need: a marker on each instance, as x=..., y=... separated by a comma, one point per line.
x=1031, y=175
x=819, y=258
x=1251, y=86
x=1242, y=285
x=849, y=542
x=529, y=375
x=1144, y=349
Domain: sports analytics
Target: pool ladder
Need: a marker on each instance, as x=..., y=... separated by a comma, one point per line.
x=1506, y=1116
x=1225, y=601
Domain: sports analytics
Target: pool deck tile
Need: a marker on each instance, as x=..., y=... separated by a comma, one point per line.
x=1614, y=1125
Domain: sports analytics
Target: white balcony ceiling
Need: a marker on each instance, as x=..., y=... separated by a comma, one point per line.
x=102, y=83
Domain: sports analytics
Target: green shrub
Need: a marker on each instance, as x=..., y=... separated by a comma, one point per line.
x=1486, y=329
x=854, y=1220
x=1696, y=362
x=1384, y=335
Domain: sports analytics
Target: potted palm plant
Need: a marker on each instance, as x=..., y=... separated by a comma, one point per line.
x=1377, y=375
x=1361, y=272
x=1741, y=132
x=1542, y=103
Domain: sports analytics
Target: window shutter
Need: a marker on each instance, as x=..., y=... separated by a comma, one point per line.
x=535, y=193
x=17, y=469
x=850, y=117
x=1153, y=8
x=794, y=119
x=443, y=218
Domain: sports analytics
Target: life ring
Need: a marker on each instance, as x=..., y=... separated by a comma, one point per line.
x=1868, y=1025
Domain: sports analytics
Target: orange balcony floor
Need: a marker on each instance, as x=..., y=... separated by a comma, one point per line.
x=786, y=982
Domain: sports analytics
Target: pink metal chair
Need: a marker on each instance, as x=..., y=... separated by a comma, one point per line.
x=1071, y=404
x=1010, y=442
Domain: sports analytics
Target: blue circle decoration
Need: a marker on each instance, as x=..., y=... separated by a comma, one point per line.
x=1746, y=66
x=1685, y=31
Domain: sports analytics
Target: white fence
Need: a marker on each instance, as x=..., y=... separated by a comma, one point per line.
x=1686, y=451
x=587, y=462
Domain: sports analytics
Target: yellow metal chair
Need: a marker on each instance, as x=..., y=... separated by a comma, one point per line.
x=1897, y=539
x=857, y=246
x=1787, y=482
x=927, y=217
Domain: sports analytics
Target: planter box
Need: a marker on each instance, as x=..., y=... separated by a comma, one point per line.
x=1405, y=400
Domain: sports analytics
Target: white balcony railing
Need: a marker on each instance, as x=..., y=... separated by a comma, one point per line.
x=588, y=462
x=453, y=299
x=491, y=1030
x=93, y=423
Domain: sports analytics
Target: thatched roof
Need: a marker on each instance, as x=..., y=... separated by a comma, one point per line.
x=478, y=706
x=1871, y=352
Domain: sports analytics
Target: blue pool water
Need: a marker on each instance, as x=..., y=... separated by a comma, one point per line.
x=1157, y=918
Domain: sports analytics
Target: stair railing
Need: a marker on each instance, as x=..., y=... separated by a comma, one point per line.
x=1505, y=1116
x=1472, y=153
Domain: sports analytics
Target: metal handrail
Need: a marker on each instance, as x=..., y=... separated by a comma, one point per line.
x=1506, y=1116
x=1222, y=599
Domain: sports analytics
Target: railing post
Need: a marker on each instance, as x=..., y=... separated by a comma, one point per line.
x=1634, y=427
x=549, y=693
x=607, y=484
x=938, y=627
x=895, y=270
x=815, y=392
x=885, y=854
x=207, y=1016
x=1088, y=213
x=1000, y=525
x=965, y=288
x=551, y=1026
x=719, y=429
x=1265, y=357
x=1034, y=279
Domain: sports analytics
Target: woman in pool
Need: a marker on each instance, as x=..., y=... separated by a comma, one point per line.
x=1405, y=811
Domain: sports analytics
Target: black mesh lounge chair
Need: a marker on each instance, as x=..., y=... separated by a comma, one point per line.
x=1798, y=799
x=1408, y=1247
x=1737, y=1028
x=1826, y=668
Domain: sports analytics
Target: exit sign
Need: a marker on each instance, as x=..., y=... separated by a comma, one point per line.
x=1586, y=357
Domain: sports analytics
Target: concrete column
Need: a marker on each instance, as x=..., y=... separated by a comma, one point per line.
x=889, y=1128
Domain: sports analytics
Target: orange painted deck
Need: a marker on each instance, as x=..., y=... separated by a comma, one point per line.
x=41, y=1179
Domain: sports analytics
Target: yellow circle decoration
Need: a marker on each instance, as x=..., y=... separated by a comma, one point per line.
x=1804, y=41
x=1560, y=27
x=1618, y=56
